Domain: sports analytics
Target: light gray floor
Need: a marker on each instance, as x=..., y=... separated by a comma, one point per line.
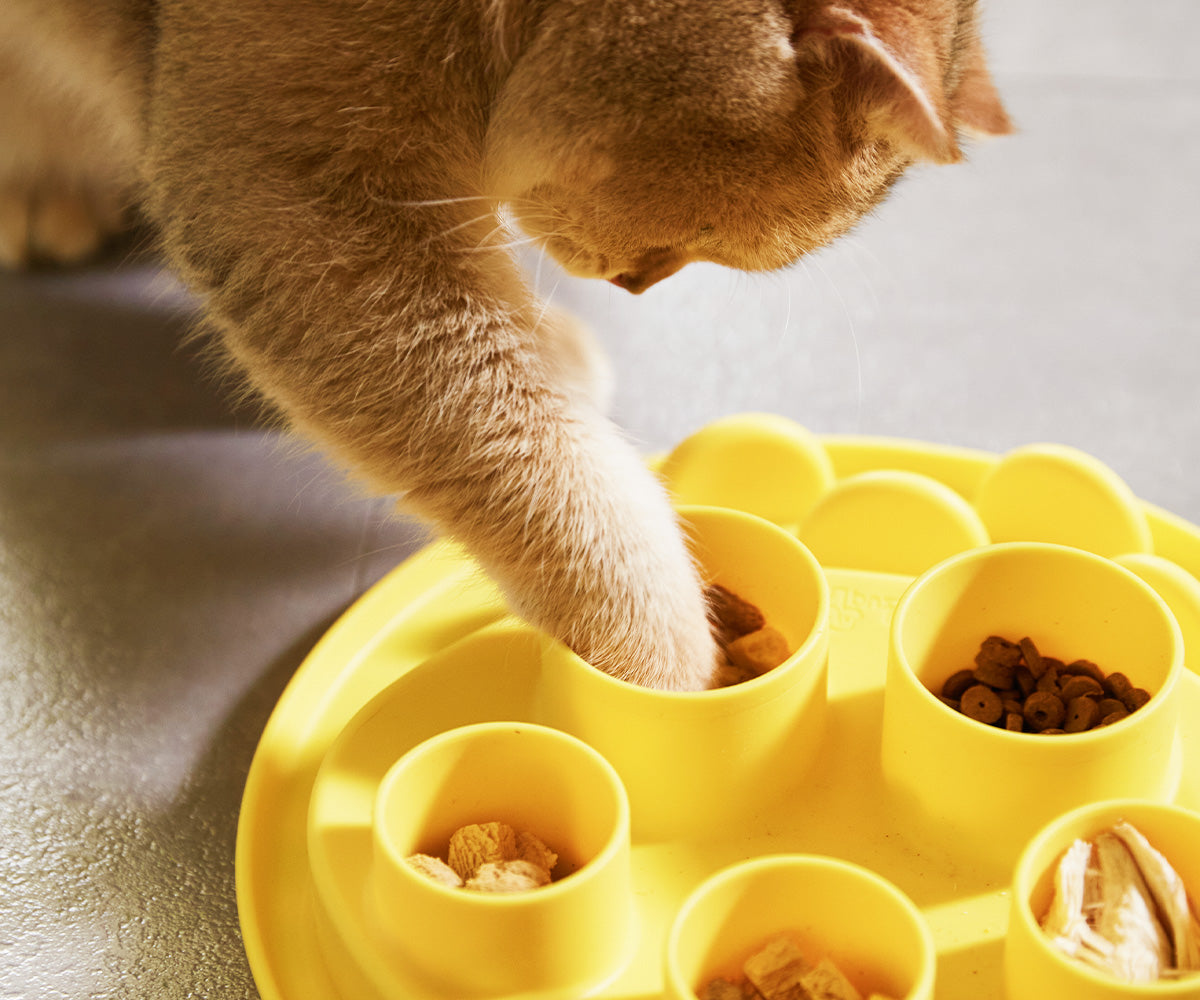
x=165, y=562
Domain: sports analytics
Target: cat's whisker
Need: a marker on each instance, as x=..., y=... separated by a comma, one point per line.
x=498, y=247
x=429, y=202
x=850, y=328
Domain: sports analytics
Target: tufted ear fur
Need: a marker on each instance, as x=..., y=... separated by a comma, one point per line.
x=899, y=57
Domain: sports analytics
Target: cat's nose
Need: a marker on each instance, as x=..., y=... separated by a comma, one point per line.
x=631, y=281
x=651, y=268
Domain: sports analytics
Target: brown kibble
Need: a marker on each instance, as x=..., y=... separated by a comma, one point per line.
x=957, y=683
x=1080, y=685
x=1116, y=684
x=997, y=649
x=1048, y=682
x=1134, y=698
x=1112, y=717
x=1044, y=711
x=1033, y=659
x=982, y=704
x=777, y=971
x=1043, y=694
x=758, y=651
x=729, y=615
x=997, y=662
x=995, y=674
x=1084, y=668
x=1054, y=732
x=1109, y=705
x=1082, y=714
x=516, y=875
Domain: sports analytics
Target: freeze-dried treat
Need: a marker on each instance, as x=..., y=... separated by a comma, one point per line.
x=750, y=646
x=508, y=876
x=826, y=982
x=490, y=857
x=1120, y=907
x=728, y=675
x=777, y=971
x=531, y=849
x=1170, y=896
x=435, y=869
x=479, y=843
x=724, y=989
x=758, y=651
x=729, y=615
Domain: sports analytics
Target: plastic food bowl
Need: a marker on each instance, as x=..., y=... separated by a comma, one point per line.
x=826, y=535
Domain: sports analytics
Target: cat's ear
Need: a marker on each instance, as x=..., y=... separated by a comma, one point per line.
x=977, y=106
x=900, y=72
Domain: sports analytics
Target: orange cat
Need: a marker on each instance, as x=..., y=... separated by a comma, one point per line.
x=327, y=175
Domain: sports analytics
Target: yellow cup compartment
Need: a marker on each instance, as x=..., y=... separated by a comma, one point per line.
x=690, y=760
x=461, y=942
x=833, y=909
x=986, y=789
x=1032, y=967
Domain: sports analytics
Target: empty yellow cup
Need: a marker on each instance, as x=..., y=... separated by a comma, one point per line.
x=984, y=789
x=560, y=940
x=830, y=908
x=690, y=760
x=1032, y=968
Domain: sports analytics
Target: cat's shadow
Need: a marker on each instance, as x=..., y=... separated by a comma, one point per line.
x=106, y=349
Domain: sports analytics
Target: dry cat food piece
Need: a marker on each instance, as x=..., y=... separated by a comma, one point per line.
x=1014, y=686
x=779, y=971
x=490, y=857
x=1121, y=908
x=751, y=646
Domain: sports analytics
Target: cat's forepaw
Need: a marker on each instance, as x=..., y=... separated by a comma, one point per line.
x=579, y=366
x=47, y=223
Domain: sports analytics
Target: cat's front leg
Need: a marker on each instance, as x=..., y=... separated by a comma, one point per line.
x=425, y=374
x=576, y=360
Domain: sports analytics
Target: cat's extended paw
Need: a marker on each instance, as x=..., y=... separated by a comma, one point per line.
x=48, y=223
x=581, y=368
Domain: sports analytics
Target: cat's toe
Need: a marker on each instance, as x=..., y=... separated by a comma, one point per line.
x=14, y=229
x=55, y=225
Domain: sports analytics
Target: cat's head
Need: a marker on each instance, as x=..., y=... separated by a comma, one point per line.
x=634, y=137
